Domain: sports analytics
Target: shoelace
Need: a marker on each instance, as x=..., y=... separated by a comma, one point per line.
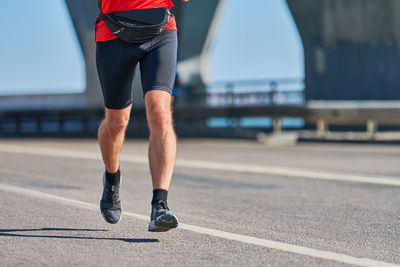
x=113, y=195
x=161, y=205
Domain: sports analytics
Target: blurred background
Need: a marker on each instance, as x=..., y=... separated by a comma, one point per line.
x=254, y=77
x=316, y=69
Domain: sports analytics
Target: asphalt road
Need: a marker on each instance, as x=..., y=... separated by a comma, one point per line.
x=238, y=202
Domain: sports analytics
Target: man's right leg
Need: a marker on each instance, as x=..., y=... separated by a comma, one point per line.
x=116, y=70
x=116, y=62
x=111, y=136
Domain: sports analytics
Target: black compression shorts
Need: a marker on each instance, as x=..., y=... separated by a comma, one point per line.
x=116, y=62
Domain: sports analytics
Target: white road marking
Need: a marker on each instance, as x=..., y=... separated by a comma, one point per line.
x=348, y=149
x=209, y=165
x=326, y=255
x=289, y=172
x=354, y=148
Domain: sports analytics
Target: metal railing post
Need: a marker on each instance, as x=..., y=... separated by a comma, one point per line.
x=322, y=127
x=277, y=127
x=372, y=128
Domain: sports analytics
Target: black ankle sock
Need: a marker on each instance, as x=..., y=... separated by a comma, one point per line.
x=113, y=178
x=159, y=194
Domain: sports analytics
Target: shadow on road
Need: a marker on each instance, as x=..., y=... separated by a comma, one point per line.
x=52, y=229
x=9, y=232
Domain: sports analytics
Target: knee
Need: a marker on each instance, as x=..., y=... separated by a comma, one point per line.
x=159, y=118
x=116, y=124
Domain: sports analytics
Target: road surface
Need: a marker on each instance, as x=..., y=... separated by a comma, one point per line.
x=238, y=202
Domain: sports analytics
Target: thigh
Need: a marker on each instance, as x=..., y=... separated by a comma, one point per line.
x=115, y=72
x=158, y=67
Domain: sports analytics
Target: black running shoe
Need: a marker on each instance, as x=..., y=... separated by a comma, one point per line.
x=110, y=204
x=162, y=219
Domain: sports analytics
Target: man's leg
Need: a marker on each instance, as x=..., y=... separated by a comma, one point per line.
x=158, y=70
x=116, y=63
x=111, y=136
x=162, y=152
x=162, y=142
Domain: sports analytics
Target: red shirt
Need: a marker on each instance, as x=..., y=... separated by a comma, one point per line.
x=109, y=6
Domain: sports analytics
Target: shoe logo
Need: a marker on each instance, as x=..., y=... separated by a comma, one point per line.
x=112, y=188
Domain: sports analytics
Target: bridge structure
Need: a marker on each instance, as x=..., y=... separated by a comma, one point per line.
x=351, y=48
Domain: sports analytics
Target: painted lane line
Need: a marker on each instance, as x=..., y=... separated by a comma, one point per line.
x=218, y=166
x=289, y=172
x=305, y=251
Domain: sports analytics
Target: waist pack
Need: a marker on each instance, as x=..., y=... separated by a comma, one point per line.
x=137, y=26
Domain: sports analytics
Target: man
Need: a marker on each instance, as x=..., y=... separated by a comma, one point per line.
x=116, y=61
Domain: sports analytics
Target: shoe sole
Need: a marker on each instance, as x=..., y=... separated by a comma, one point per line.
x=163, y=223
x=102, y=214
x=110, y=222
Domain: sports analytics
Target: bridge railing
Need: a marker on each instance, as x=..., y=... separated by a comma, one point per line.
x=376, y=120
x=256, y=92
x=192, y=121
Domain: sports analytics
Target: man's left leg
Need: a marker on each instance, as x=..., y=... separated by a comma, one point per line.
x=162, y=153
